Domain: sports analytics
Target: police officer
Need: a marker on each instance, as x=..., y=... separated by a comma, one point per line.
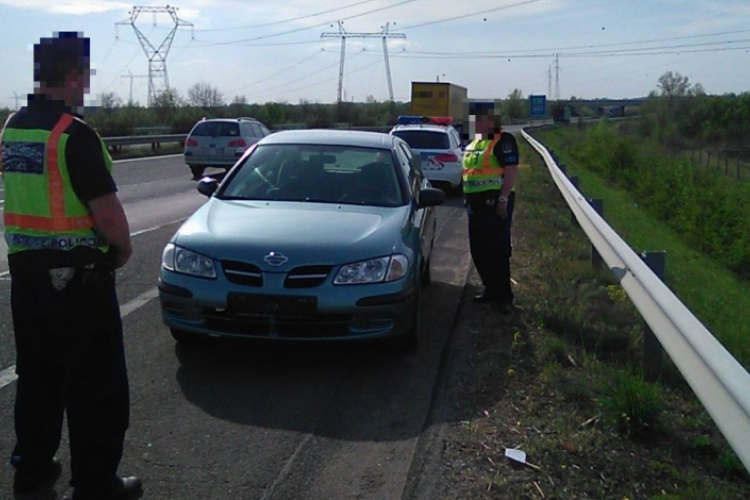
x=66, y=233
x=490, y=165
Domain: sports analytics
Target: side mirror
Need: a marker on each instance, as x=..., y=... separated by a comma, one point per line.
x=429, y=197
x=207, y=186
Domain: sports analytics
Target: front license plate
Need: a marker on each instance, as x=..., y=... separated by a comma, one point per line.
x=272, y=305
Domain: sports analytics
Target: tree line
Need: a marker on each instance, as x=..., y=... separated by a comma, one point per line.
x=682, y=114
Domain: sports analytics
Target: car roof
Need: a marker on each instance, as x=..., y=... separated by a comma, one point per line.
x=358, y=138
x=242, y=118
x=422, y=126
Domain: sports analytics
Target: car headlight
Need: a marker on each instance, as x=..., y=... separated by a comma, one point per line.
x=382, y=269
x=184, y=261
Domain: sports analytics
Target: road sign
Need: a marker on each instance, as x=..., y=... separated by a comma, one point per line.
x=537, y=105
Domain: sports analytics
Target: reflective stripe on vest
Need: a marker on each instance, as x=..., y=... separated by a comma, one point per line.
x=42, y=210
x=481, y=169
x=61, y=242
x=58, y=220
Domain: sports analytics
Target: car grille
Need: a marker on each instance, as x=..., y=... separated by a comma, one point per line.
x=242, y=273
x=306, y=276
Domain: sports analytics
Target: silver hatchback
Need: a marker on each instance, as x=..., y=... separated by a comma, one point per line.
x=220, y=142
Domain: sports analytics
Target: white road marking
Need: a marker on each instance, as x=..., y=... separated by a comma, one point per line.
x=9, y=376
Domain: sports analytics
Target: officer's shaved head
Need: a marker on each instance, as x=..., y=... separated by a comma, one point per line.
x=56, y=57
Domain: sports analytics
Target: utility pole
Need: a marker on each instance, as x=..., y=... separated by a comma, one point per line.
x=158, y=79
x=16, y=98
x=384, y=34
x=557, y=76
x=549, y=82
x=131, y=76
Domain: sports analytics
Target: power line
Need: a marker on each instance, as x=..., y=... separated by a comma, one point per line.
x=321, y=70
x=298, y=63
x=307, y=28
x=636, y=42
x=327, y=80
x=478, y=13
x=291, y=19
x=665, y=49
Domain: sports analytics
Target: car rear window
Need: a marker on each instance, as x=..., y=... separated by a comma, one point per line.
x=215, y=129
x=424, y=139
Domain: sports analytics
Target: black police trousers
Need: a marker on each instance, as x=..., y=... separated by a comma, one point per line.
x=70, y=359
x=490, y=244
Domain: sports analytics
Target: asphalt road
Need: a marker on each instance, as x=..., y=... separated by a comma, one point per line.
x=258, y=420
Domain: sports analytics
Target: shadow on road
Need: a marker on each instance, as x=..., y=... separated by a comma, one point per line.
x=360, y=391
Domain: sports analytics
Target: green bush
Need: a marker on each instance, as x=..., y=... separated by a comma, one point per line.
x=710, y=211
x=632, y=405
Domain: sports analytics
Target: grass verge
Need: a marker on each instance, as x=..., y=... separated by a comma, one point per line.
x=717, y=297
x=559, y=380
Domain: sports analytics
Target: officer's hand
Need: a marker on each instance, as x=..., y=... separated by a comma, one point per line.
x=121, y=257
x=502, y=209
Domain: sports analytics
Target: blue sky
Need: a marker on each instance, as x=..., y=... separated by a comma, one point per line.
x=273, y=51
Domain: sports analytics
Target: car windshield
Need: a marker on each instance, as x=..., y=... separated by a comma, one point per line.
x=423, y=139
x=216, y=129
x=319, y=173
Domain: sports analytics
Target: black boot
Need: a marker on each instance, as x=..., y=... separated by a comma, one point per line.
x=28, y=480
x=485, y=298
x=125, y=488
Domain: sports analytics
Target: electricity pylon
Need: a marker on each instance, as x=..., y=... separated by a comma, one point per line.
x=16, y=98
x=158, y=78
x=384, y=34
x=131, y=76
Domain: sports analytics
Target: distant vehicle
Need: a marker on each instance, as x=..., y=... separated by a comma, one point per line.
x=220, y=142
x=611, y=111
x=437, y=145
x=440, y=99
x=561, y=113
x=313, y=235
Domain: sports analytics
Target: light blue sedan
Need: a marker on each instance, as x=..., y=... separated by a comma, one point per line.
x=313, y=235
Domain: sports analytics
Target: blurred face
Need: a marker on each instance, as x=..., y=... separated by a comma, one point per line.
x=77, y=85
x=487, y=125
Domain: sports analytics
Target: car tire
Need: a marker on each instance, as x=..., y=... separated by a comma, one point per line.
x=426, y=278
x=197, y=172
x=184, y=338
x=409, y=342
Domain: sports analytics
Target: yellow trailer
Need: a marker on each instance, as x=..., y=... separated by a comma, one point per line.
x=438, y=99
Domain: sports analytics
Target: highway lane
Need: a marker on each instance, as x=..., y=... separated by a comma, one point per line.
x=259, y=420
x=155, y=192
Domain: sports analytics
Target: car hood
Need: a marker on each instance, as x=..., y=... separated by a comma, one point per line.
x=306, y=233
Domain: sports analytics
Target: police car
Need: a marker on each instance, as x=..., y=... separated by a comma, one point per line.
x=436, y=143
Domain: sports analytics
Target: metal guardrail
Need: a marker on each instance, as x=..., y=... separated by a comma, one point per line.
x=143, y=139
x=719, y=381
x=135, y=140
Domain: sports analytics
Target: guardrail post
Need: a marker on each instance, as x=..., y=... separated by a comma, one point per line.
x=596, y=259
x=563, y=168
x=653, y=352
